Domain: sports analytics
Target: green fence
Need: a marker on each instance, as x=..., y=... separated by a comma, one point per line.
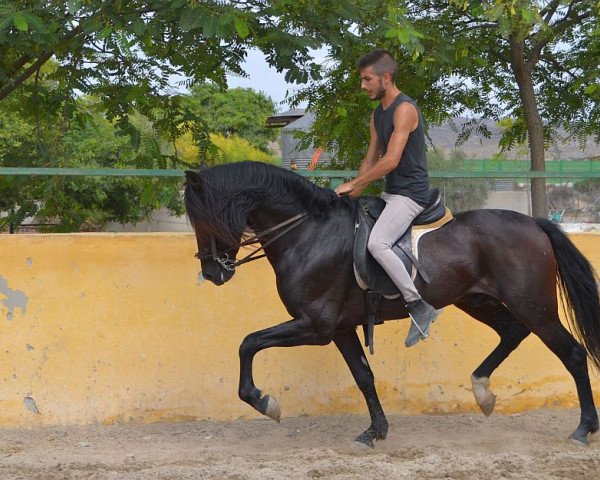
x=496, y=173
x=552, y=166
x=556, y=171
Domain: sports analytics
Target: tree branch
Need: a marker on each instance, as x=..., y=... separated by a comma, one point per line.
x=556, y=65
x=43, y=58
x=18, y=65
x=8, y=89
x=559, y=27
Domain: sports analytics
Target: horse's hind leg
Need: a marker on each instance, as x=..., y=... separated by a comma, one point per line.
x=545, y=323
x=349, y=345
x=511, y=332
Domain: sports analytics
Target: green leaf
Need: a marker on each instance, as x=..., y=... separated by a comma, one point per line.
x=241, y=27
x=191, y=19
x=209, y=26
x=35, y=23
x=105, y=33
x=139, y=27
x=5, y=22
x=402, y=35
x=20, y=22
x=494, y=13
x=73, y=6
x=527, y=15
x=7, y=10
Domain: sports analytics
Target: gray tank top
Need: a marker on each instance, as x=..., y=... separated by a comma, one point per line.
x=410, y=177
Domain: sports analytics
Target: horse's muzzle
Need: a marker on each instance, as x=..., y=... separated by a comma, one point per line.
x=219, y=277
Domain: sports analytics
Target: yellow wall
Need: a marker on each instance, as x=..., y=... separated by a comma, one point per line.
x=117, y=328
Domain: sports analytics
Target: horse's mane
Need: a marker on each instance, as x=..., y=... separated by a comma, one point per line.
x=218, y=199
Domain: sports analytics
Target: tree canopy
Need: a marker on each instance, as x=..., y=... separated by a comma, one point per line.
x=37, y=133
x=532, y=60
x=235, y=111
x=130, y=54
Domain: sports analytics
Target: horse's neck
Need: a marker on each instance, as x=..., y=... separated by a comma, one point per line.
x=265, y=218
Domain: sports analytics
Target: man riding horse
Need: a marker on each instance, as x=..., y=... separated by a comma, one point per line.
x=396, y=150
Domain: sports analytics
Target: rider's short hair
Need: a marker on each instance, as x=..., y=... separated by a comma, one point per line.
x=382, y=62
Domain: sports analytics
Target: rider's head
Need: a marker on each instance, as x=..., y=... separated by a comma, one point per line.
x=377, y=73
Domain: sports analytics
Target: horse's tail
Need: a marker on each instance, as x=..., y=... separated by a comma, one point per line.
x=578, y=288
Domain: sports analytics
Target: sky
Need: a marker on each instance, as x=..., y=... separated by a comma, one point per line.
x=264, y=78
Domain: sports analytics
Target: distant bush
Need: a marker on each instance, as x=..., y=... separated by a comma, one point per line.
x=236, y=149
x=228, y=150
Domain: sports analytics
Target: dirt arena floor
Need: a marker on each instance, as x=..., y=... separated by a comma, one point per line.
x=532, y=445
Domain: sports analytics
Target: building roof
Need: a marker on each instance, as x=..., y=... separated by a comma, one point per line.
x=302, y=123
x=285, y=118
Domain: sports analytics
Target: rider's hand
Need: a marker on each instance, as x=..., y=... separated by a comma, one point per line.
x=347, y=188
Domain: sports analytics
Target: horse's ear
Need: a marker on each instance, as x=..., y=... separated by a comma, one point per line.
x=193, y=179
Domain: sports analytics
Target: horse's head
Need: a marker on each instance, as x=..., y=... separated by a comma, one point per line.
x=218, y=226
x=226, y=201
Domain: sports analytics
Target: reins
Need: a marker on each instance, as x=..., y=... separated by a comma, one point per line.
x=231, y=264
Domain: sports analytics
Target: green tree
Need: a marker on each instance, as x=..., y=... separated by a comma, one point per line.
x=532, y=60
x=41, y=133
x=83, y=203
x=129, y=53
x=235, y=111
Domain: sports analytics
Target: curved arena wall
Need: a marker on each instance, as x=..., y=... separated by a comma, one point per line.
x=104, y=328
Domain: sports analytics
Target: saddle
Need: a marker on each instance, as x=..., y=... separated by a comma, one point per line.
x=370, y=276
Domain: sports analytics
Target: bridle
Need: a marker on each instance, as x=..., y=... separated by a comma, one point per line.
x=231, y=264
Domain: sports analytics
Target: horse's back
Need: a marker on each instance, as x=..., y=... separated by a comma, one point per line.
x=484, y=251
x=485, y=228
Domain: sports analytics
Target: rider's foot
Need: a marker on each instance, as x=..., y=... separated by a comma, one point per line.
x=421, y=315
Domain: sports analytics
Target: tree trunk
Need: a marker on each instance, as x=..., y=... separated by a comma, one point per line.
x=535, y=128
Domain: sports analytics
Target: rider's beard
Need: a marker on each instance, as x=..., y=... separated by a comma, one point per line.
x=380, y=93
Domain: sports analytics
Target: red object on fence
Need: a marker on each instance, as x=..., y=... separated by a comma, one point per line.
x=315, y=159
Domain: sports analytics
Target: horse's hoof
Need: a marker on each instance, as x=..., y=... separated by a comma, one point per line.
x=484, y=397
x=365, y=439
x=487, y=406
x=579, y=439
x=271, y=409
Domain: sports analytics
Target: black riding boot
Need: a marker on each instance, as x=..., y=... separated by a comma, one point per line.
x=421, y=316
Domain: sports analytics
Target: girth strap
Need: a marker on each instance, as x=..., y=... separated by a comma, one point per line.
x=373, y=307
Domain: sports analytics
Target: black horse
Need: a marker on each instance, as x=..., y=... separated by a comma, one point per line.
x=499, y=266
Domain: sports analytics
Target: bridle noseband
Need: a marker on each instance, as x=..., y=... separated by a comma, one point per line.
x=221, y=258
x=231, y=264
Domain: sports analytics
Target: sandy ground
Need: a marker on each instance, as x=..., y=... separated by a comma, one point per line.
x=529, y=445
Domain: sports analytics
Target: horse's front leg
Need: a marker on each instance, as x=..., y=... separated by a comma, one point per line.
x=349, y=346
x=289, y=334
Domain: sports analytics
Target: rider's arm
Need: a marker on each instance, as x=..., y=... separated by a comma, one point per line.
x=370, y=158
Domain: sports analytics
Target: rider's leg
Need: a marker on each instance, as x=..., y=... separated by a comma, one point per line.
x=395, y=219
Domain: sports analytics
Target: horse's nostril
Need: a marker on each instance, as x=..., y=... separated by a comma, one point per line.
x=207, y=276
